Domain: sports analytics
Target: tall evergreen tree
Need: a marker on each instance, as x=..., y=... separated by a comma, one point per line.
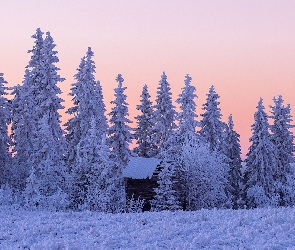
x=179, y=137
x=50, y=102
x=165, y=198
x=164, y=114
x=49, y=166
x=86, y=165
x=105, y=191
x=88, y=103
x=187, y=115
x=96, y=186
x=212, y=128
x=233, y=153
x=260, y=162
x=119, y=131
x=45, y=79
x=145, y=124
x=5, y=142
x=23, y=124
x=35, y=117
x=282, y=137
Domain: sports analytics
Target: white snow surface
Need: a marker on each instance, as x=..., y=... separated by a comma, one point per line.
x=140, y=168
x=204, y=229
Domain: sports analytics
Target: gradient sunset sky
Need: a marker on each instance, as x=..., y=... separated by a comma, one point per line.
x=246, y=49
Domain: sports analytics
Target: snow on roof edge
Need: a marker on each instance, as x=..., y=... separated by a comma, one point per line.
x=140, y=167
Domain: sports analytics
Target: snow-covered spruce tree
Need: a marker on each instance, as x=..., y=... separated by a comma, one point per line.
x=178, y=137
x=87, y=163
x=105, y=192
x=42, y=103
x=95, y=185
x=282, y=138
x=171, y=190
x=206, y=176
x=49, y=102
x=88, y=103
x=173, y=178
x=164, y=114
x=261, y=163
x=24, y=120
x=187, y=114
x=73, y=124
x=144, y=132
x=212, y=128
x=165, y=198
x=23, y=126
x=187, y=123
x=112, y=196
x=233, y=153
x=5, y=142
x=171, y=157
x=50, y=169
x=119, y=131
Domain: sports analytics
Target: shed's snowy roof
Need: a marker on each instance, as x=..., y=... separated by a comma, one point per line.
x=140, y=168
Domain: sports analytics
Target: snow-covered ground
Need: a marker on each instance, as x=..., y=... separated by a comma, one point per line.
x=205, y=229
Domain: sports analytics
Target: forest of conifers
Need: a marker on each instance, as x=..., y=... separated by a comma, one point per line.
x=43, y=166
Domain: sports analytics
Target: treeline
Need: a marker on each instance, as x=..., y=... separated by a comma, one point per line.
x=44, y=167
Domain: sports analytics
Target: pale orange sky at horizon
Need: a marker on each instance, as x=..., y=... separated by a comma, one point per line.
x=244, y=48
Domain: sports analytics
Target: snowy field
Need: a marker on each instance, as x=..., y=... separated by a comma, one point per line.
x=205, y=229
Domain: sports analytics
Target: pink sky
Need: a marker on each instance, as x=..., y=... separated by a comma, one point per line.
x=246, y=49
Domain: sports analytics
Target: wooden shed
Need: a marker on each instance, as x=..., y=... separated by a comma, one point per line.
x=141, y=175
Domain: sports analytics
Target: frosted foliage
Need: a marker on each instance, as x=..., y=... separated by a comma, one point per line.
x=134, y=205
x=25, y=113
x=164, y=113
x=7, y=196
x=206, y=177
x=40, y=90
x=282, y=137
x=43, y=82
x=36, y=56
x=257, y=194
x=187, y=115
x=95, y=186
x=186, y=127
x=5, y=142
x=88, y=103
x=119, y=131
x=261, y=158
x=165, y=198
x=73, y=125
x=87, y=163
x=33, y=199
x=286, y=190
x=144, y=132
x=47, y=161
x=174, y=155
x=49, y=101
x=211, y=125
x=39, y=121
x=31, y=193
x=232, y=150
x=112, y=196
x=22, y=127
